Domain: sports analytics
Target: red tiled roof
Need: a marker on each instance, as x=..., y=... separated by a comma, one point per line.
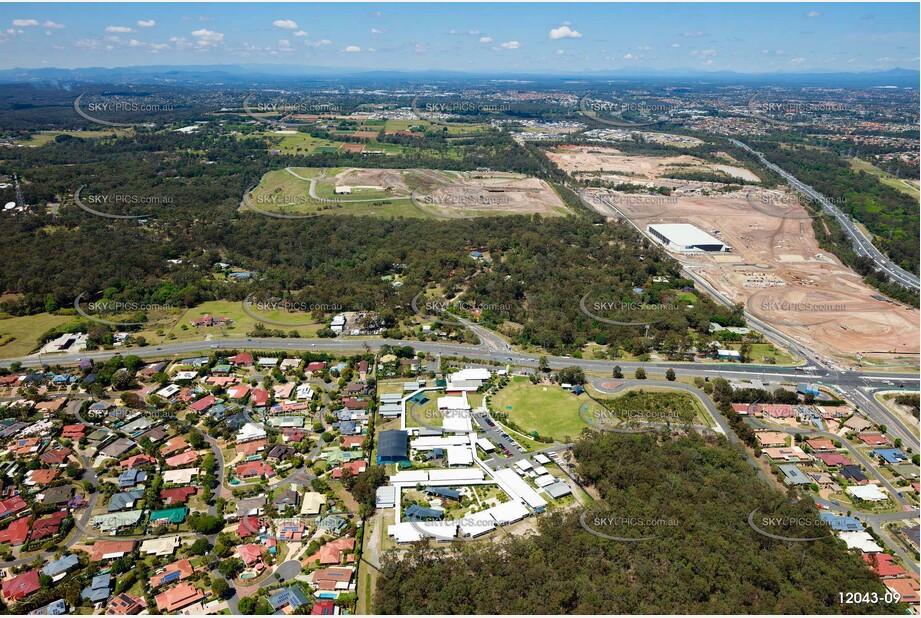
x=316, y=366
x=255, y=468
x=833, y=459
x=11, y=506
x=355, y=467
x=176, y=443
x=17, y=532
x=125, y=605
x=177, y=495
x=203, y=404
x=883, y=565
x=873, y=439
x=243, y=359
x=323, y=608
x=176, y=598
x=181, y=459
x=137, y=460
x=352, y=441
x=21, y=586
x=47, y=526
x=74, y=432
x=101, y=549
x=331, y=553
x=249, y=526
x=183, y=567
x=260, y=397
x=250, y=553
x=43, y=477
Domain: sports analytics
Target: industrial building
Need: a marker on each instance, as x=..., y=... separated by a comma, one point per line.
x=685, y=238
x=392, y=446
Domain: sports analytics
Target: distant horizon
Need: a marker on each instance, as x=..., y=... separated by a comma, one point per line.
x=285, y=69
x=745, y=38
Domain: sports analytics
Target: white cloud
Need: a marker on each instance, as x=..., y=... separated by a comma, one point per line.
x=285, y=45
x=300, y=33
x=285, y=24
x=134, y=43
x=421, y=48
x=797, y=61
x=352, y=49
x=316, y=44
x=703, y=53
x=378, y=31
x=674, y=46
x=510, y=45
x=813, y=14
x=485, y=39
x=146, y=23
x=565, y=32
x=25, y=23
x=560, y=52
x=693, y=33
x=644, y=48
x=119, y=29
x=207, y=38
x=630, y=57
x=51, y=24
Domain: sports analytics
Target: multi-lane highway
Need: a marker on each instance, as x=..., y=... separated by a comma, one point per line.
x=862, y=245
x=855, y=385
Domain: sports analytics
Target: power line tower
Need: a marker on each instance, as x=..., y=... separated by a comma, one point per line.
x=20, y=200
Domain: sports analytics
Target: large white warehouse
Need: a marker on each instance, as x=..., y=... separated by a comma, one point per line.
x=685, y=237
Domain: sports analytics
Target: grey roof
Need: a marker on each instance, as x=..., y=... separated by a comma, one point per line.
x=62, y=565
x=98, y=590
x=794, y=476
x=125, y=500
x=291, y=596
x=392, y=444
x=558, y=490
x=55, y=608
x=118, y=447
x=57, y=495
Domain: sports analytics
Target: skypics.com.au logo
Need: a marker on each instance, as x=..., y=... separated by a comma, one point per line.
x=118, y=110
x=287, y=114
x=607, y=310
x=100, y=310
x=92, y=202
x=624, y=114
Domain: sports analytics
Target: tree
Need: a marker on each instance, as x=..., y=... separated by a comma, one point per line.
x=618, y=372
x=670, y=375
x=231, y=567
x=543, y=364
x=220, y=588
x=640, y=373
x=571, y=375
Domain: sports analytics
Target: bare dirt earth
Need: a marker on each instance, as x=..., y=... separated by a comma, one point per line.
x=778, y=271
x=578, y=160
x=482, y=193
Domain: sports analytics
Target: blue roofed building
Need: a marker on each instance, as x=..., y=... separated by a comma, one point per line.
x=55, y=608
x=392, y=446
x=890, y=455
x=57, y=569
x=98, y=590
x=131, y=478
x=841, y=523
x=291, y=597
x=414, y=512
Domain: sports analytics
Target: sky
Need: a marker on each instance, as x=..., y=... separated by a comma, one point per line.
x=525, y=37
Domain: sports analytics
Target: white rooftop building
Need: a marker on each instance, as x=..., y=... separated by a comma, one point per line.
x=685, y=238
x=250, y=432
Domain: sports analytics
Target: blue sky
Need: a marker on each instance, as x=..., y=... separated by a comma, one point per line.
x=550, y=37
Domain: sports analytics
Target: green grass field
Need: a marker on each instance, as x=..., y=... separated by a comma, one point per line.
x=549, y=410
x=242, y=324
x=41, y=138
x=19, y=335
x=909, y=187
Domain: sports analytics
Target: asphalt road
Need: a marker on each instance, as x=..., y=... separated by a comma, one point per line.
x=862, y=245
